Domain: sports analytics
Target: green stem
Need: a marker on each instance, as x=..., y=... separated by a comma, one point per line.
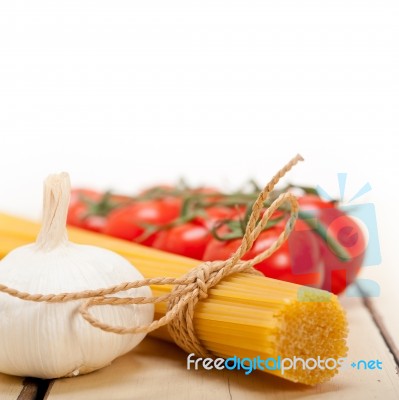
x=320, y=229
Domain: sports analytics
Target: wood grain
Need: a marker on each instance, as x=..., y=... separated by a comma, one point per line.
x=384, y=307
x=157, y=369
x=16, y=388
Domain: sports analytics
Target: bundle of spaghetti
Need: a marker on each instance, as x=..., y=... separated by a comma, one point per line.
x=244, y=315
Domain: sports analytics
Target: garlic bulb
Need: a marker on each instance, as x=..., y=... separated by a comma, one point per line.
x=51, y=340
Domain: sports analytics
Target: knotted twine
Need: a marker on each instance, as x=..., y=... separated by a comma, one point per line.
x=191, y=287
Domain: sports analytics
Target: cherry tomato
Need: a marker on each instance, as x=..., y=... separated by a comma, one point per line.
x=188, y=239
x=311, y=202
x=130, y=222
x=164, y=193
x=339, y=274
x=79, y=210
x=208, y=193
x=214, y=214
x=158, y=191
x=297, y=260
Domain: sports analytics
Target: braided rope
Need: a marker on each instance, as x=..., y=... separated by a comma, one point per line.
x=191, y=287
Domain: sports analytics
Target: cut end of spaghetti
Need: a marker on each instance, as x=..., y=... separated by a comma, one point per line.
x=244, y=315
x=312, y=327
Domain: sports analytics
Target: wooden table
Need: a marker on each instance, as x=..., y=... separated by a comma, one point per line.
x=157, y=370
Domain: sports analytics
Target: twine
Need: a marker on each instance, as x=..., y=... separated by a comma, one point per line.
x=191, y=287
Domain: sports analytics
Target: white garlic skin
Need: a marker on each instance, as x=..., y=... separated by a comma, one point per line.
x=53, y=340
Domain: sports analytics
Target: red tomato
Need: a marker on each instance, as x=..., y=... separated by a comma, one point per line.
x=188, y=239
x=164, y=193
x=79, y=210
x=297, y=260
x=208, y=193
x=311, y=202
x=214, y=214
x=340, y=274
x=159, y=191
x=129, y=222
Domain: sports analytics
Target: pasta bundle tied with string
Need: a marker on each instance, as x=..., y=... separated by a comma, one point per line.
x=220, y=308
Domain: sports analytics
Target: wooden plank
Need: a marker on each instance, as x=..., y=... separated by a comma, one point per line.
x=157, y=369
x=384, y=306
x=387, y=325
x=16, y=388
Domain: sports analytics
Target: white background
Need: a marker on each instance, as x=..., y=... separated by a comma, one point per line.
x=127, y=93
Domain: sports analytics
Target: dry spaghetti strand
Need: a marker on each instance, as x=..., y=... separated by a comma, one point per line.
x=191, y=287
